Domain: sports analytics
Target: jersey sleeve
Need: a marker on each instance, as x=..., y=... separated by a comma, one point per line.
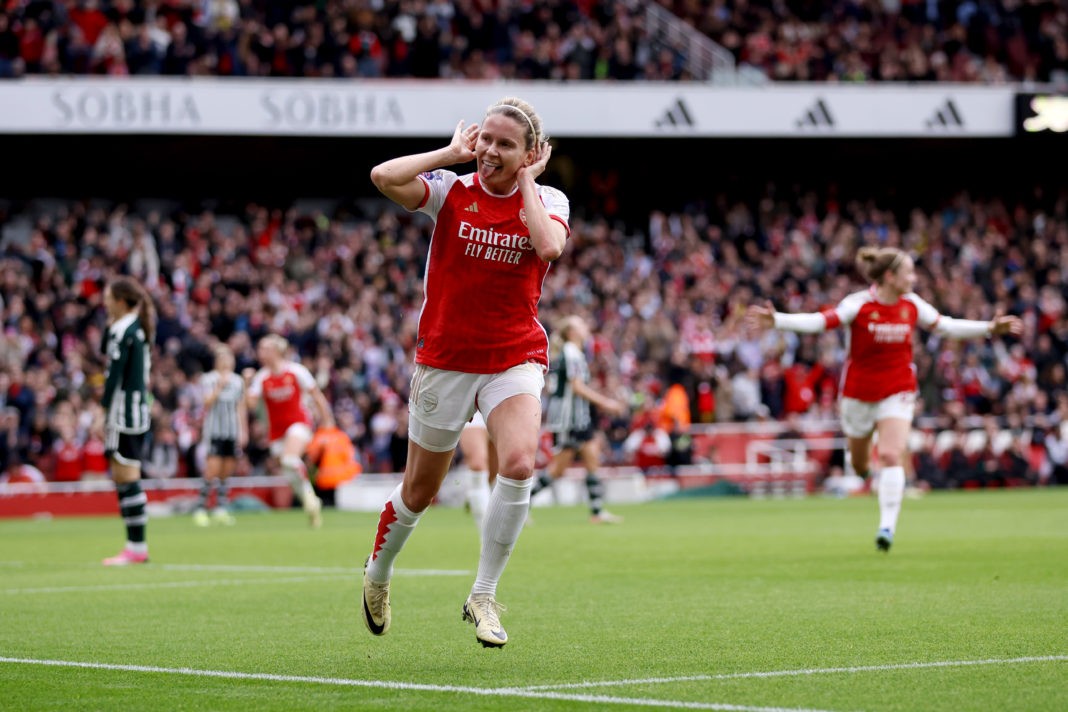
x=846, y=310
x=573, y=362
x=256, y=387
x=927, y=317
x=207, y=384
x=557, y=205
x=303, y=375
x=438, y=183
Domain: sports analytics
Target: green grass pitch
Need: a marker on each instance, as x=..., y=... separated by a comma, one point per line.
x=726, y=604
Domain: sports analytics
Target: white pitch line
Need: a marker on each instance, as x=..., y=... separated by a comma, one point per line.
x=170, y=584
x=281, y=569
x=799, y=673
x=308, y=569
x=385, y=684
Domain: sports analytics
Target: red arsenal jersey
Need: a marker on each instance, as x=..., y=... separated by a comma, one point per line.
x=880, y=343
x=483, y=277
x=283, y=396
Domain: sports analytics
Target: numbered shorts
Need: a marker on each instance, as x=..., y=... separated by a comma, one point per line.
x=442, y=402
x=859, y=418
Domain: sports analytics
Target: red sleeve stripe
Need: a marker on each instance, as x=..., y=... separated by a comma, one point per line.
x=831, y=317
x=560, y=220
x=426, y=193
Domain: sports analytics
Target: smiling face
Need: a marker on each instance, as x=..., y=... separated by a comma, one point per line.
x=501, y=151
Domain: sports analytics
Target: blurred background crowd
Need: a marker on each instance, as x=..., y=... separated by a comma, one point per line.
x=799, y=40
x=344, y=285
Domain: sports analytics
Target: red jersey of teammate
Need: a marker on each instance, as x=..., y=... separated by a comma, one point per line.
x=880, y=343
x=483, y=278
x=283, y=396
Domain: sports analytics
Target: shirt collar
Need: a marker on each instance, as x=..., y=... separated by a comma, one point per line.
x=123, y=323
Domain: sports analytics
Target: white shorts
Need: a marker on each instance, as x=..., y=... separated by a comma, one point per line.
x=296, y=430
x=477, y=421
x=446, y=400
x=860, y=417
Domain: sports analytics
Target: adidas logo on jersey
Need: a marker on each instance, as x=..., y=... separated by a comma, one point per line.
x=472, y=208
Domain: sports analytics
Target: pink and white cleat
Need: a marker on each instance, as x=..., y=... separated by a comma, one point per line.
x=126, y=558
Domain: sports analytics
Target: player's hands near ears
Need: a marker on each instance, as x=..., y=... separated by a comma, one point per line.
x=540, y=160
x=463, y=142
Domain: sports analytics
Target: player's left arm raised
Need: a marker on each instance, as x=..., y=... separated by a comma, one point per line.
x=548, y=236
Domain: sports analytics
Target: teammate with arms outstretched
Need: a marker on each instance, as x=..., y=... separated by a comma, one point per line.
x=479, y=343
x=879, y=380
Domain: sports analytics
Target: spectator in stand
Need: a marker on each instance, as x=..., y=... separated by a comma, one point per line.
x=648, y=445
x=162, y=460
x=470, y=355
x=68, y=453
x=131, y=328
x=879, y=394
x=20, y=475
x=573, y=404
x=833, y=41
x=282, y=385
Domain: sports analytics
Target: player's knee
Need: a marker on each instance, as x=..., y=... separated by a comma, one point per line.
x=517, y=465
x=890, y=458
x=291, y=462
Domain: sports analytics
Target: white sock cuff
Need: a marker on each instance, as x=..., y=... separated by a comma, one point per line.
x=892, y=475
x=514, y=490
x=404, y=515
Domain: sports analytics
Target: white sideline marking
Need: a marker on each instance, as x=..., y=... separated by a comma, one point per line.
x=798, y=673
x=384, y=684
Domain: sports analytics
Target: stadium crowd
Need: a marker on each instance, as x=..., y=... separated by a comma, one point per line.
x=344, y=285
x=843, y=40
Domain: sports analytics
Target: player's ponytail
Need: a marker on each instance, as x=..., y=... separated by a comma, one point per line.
x=874, y=263
x=128, y=290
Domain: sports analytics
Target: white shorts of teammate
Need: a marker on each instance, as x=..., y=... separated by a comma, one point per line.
x=300, y=432
x=477, y=421
x=860, y=417
x=442, y=402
